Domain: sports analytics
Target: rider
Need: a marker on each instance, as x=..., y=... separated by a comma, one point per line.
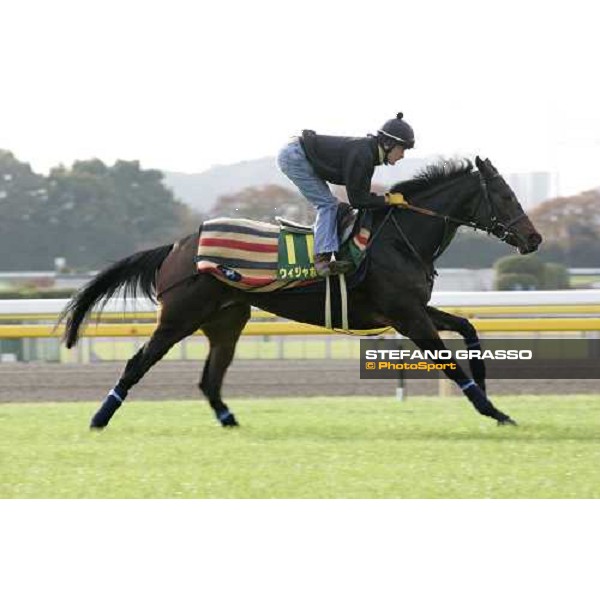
x=312, y=160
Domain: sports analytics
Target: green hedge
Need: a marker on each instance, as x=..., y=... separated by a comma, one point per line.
x=516, y=281
x=530, y=273
x=556, y=277
x=530, y=265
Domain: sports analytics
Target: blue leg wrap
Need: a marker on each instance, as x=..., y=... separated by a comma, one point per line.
x=106, y=411
x=224, y=416
x=116, y=394
x=465, y=385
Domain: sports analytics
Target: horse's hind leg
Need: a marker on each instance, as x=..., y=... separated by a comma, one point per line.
x=184, y=310
x=444, y=321
x=223, y=333
x=163, y=338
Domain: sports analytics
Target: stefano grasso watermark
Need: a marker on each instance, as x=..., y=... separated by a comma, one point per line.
x=504, y=359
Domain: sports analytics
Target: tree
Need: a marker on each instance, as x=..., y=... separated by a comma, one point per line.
x=571, y=229
x=90, y=214
x=86, y=217
x=23, y=194
x=107, y=212
x=562, y=218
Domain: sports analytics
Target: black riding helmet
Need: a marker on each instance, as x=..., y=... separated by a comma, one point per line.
x=396, y=132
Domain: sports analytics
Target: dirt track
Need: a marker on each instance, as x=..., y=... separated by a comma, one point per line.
x=43, y=382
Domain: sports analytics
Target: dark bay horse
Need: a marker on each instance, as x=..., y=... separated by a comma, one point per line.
x=394, y=292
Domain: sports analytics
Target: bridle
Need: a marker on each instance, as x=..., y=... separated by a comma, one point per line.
x=495, y=226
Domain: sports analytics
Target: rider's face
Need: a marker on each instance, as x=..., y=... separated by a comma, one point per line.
x=395, y=154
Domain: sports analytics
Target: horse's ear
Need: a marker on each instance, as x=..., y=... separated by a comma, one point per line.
x=491, y=168
x=479, y=163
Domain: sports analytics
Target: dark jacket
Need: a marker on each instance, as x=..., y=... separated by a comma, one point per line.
x=347, y=161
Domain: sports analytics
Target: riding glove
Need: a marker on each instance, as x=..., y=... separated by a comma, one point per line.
x=395, y=199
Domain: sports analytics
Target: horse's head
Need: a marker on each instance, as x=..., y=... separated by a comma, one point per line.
x=500, y=212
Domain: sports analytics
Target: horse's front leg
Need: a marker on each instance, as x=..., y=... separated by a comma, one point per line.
x=416, y=325
x=444, y=321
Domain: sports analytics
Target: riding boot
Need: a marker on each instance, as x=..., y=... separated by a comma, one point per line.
x=325, y=267
x=342, y=266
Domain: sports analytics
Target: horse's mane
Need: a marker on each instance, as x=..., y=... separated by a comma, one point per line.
x=433, y=175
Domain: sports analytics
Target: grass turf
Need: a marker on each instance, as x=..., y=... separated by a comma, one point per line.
x=314, y=448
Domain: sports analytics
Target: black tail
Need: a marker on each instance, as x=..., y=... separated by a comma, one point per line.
x=132, y=274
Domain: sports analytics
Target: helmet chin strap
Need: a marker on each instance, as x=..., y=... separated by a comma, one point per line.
x=383, y=155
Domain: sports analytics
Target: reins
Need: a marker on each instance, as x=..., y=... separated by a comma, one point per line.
x=495, y=227
x=430, y=274
x=390, y=215
x=494, y=223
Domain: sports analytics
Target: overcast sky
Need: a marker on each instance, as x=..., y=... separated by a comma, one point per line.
x=186, y=85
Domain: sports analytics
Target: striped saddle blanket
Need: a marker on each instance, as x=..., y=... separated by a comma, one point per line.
x=263, y=257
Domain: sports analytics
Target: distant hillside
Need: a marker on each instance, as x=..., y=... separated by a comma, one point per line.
x=201, y=190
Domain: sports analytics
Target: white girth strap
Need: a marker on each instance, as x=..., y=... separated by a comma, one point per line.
x=344, y=302
x=327, y=303
x=344, y=295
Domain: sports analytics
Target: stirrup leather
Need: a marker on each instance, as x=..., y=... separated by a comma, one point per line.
x=293, y=226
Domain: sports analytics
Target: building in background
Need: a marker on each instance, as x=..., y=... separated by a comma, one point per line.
x=531, y=188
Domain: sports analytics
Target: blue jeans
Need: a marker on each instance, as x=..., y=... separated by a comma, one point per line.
x=293, y=163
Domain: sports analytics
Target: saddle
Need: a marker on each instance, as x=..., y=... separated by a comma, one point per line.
x=264, y=257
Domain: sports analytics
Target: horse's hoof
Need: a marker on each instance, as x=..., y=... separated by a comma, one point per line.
x=99, y=421
x=228, y=420
x=105, y=413
x=508, y=421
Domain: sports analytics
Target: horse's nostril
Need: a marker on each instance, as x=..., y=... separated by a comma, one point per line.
x=535, y=239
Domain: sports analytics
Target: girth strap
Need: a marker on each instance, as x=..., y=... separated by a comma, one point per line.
x=343, y=302
x=344, y=296
x=327, y=303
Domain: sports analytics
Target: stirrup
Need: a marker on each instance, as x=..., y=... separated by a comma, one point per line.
x=341, y=267
x=297, y=227
x=333, y=267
